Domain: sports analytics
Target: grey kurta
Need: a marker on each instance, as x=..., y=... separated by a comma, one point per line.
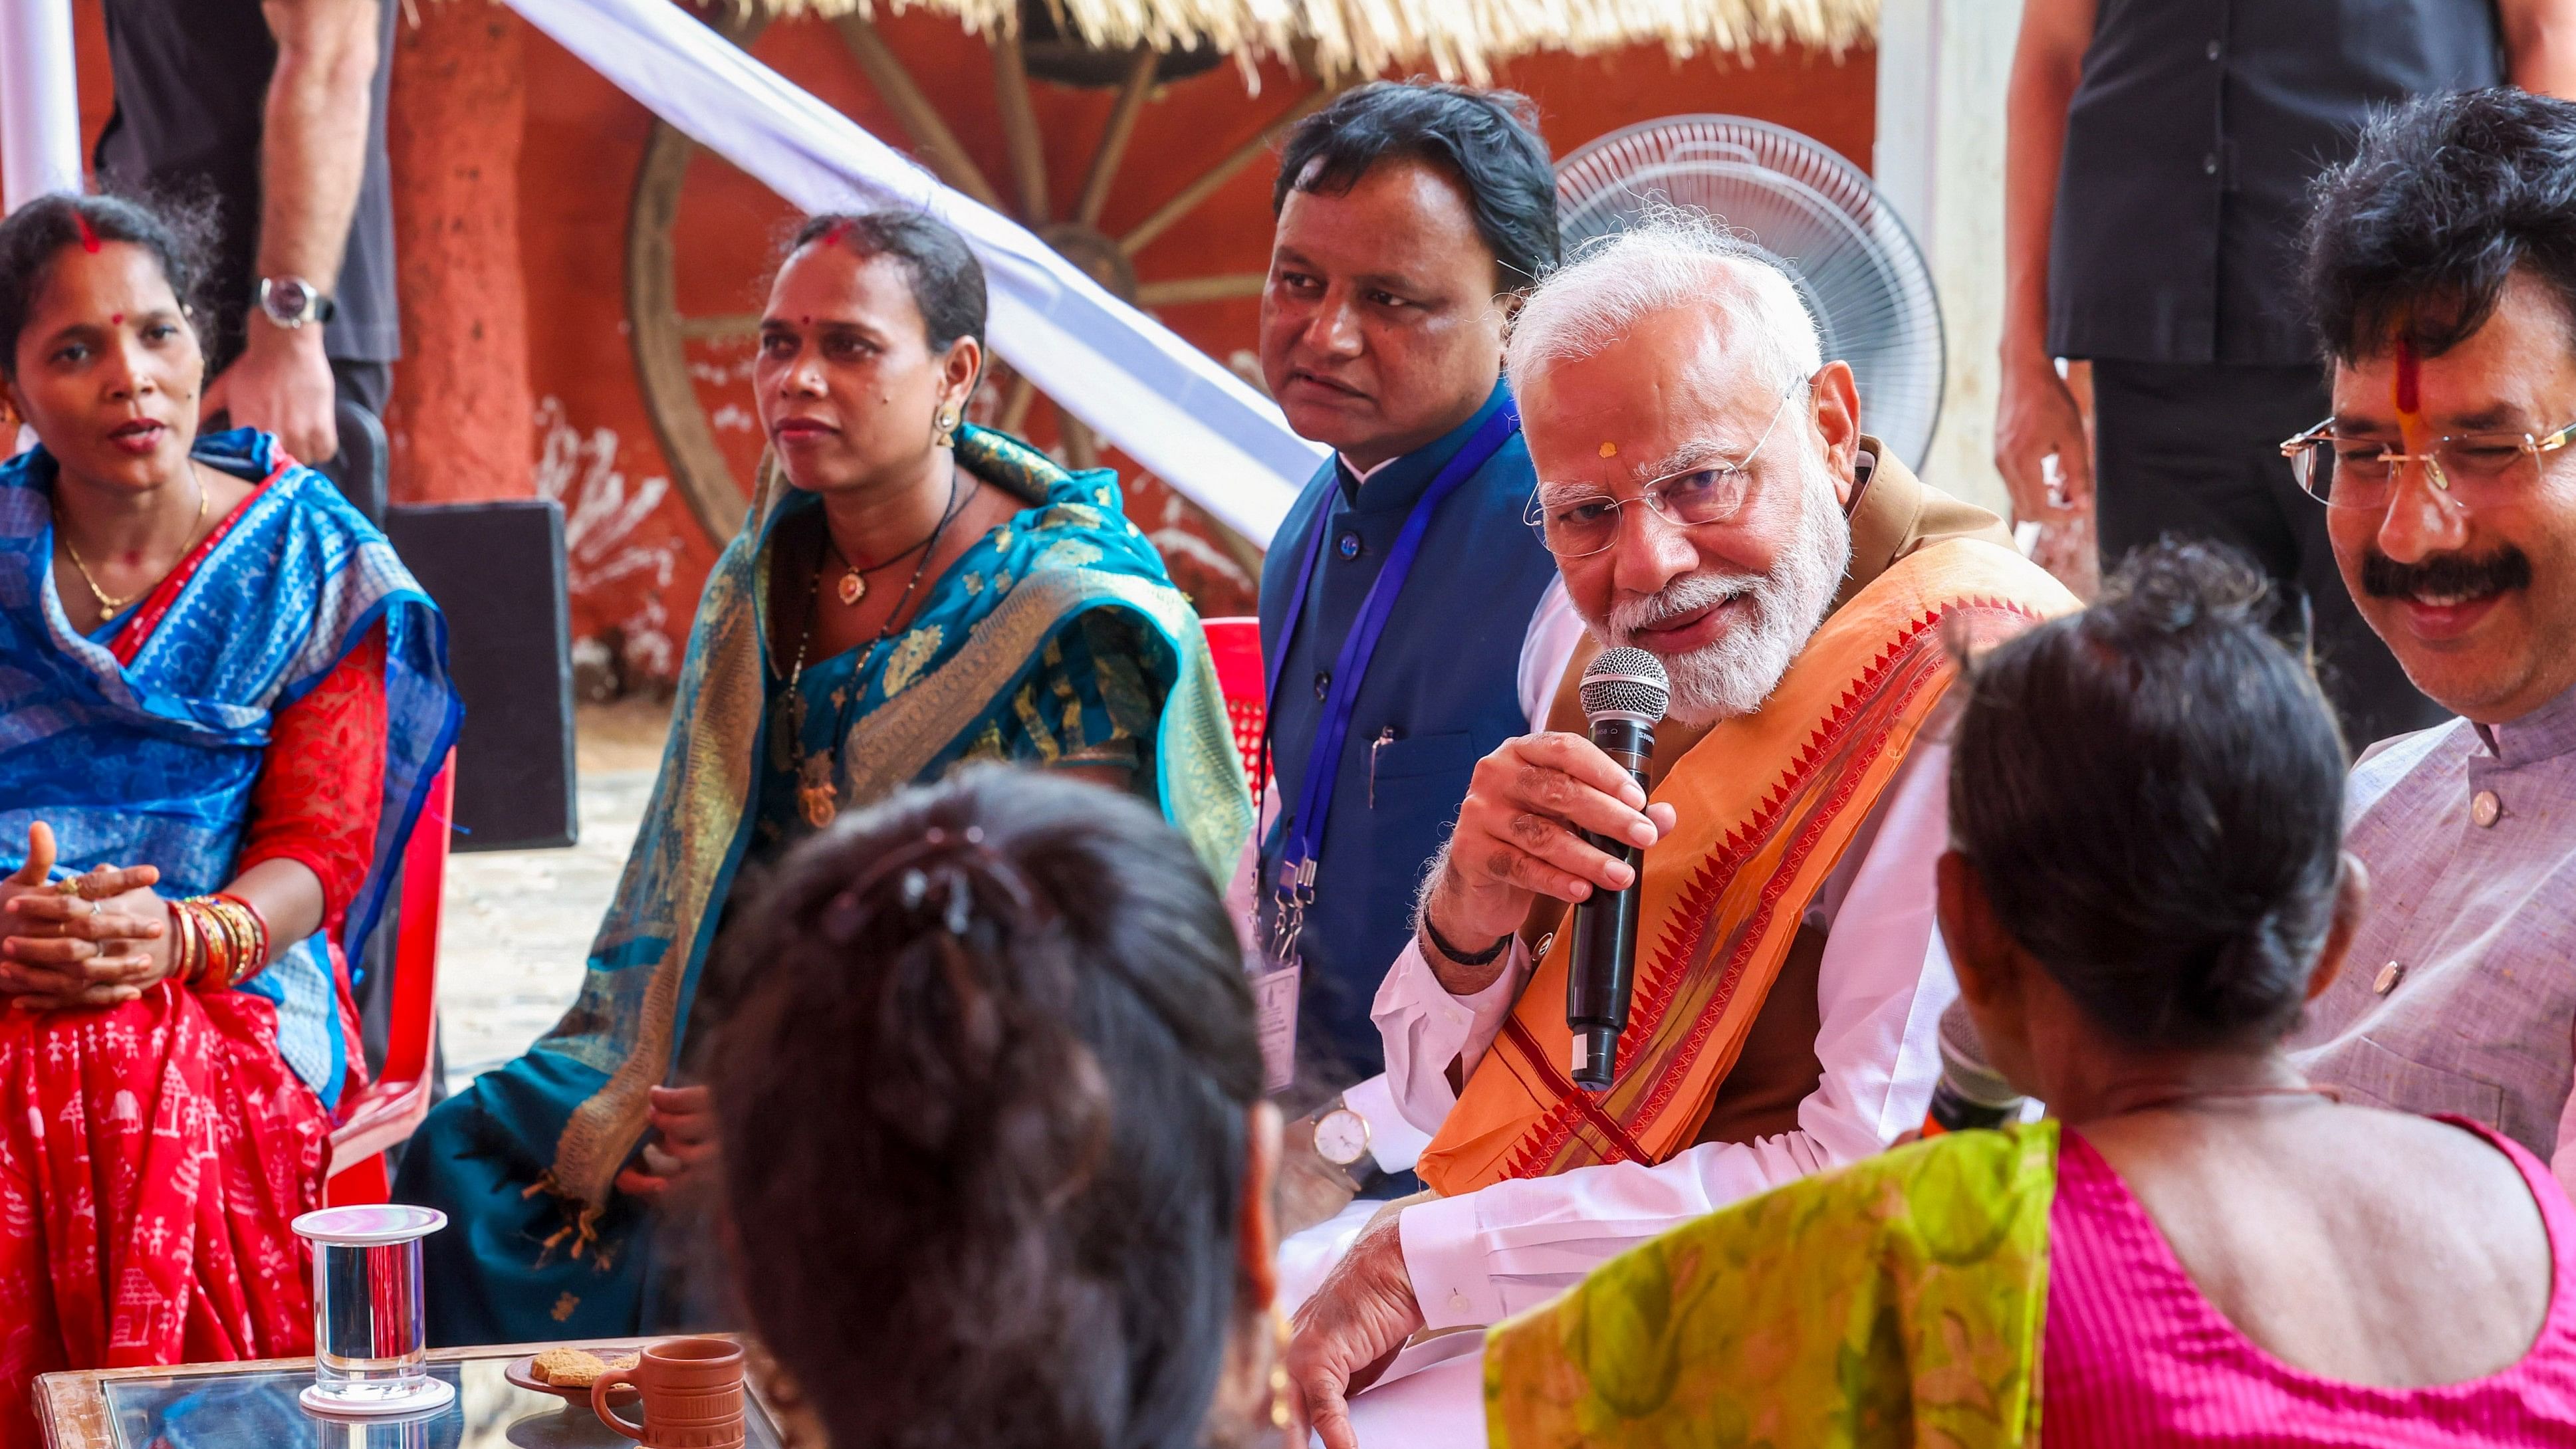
x=2460, y=992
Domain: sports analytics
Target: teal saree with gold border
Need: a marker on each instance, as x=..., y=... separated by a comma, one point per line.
x=539, y=1244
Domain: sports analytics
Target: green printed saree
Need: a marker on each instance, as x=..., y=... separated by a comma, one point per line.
x=1895, y=1302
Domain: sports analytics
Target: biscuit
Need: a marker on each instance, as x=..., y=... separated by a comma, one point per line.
x=570, y=1368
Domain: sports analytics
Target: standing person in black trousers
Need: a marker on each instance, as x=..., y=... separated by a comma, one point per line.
x=2155, y=181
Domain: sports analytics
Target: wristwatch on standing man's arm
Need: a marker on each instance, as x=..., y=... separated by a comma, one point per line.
x=290, y=302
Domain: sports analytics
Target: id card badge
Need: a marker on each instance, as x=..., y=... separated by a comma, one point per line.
x=1274, y=1007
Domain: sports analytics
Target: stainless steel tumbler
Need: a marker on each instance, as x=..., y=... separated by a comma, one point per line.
x=370, y=1346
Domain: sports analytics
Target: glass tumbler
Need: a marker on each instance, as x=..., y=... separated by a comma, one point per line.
x=370, y=1345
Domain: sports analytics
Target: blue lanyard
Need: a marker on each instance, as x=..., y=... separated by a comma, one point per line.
x=1305, y=829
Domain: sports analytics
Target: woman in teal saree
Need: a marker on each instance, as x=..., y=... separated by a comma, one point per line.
x=913, y=595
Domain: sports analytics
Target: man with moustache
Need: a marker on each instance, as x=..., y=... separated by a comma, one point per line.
x=1709, y=497
x=2441, y=271
x=1409, y=216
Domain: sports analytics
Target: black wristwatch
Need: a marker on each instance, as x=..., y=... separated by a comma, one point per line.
x=290, y=302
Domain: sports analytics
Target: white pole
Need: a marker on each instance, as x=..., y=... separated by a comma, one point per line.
x=39, y=101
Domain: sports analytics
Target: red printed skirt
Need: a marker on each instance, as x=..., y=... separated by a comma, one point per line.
x=152, y=1158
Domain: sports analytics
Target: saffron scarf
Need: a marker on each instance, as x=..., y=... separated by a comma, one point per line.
x=1893, y=1303
x=1767, y=803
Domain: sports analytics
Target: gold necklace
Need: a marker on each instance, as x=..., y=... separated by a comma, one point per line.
x=817, y=796
x=115, y=606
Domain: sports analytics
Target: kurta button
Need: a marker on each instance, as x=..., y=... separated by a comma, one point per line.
x=1458, y=1302
x=2386, y=981
x=2485, y=808
x=1349, y=544
x=1323, y=682
x=2209, y=164
x=2213, y=50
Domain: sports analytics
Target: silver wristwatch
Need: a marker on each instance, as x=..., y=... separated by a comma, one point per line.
x=1342, y=1139
x=290, y=302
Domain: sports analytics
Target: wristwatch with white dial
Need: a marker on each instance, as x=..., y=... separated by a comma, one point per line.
x=1342, y=1139
x=290, y=302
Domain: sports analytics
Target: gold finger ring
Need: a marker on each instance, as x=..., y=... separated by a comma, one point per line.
x=69, y=885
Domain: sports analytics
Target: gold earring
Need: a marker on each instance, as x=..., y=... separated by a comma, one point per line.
x=948, y=421
x=1280, y=1387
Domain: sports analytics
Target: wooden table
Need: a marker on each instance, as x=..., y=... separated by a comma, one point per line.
x=252, y=1406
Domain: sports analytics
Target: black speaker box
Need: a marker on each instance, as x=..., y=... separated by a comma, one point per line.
x=497, y=572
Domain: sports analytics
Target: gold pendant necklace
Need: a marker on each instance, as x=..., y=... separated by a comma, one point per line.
x=818, y=797
x=114, y=606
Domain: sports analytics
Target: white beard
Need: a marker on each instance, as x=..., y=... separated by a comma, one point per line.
x=1734, y=675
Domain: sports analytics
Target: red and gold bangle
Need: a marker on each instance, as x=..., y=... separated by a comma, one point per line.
x=187, y=944
x=255, y=944
x=219, y=941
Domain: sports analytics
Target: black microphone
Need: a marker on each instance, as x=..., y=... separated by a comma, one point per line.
x=1624, y=695
x=1971, y=1093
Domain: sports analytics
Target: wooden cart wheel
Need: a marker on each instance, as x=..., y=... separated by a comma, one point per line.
x=659, y=333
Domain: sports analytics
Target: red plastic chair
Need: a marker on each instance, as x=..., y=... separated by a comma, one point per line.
x=384, y=1112
x=1236, y=643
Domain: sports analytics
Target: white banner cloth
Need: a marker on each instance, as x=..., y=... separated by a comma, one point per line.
x=1168, y=405
x=39, y=102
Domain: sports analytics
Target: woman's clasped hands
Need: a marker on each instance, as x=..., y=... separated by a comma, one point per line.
x=87, y=940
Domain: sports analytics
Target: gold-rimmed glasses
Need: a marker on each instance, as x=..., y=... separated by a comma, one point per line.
x=2477, y=469
x=1579, y=522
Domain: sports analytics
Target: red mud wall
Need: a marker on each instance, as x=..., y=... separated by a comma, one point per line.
x=638, y=554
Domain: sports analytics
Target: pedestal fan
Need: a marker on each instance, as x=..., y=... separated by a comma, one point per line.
x=1854, y=263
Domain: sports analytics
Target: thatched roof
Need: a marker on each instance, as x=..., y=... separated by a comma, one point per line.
x=1460, y=39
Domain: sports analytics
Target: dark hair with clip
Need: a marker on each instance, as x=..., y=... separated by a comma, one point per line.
x=2152, y=794
x=34, y=236
x=984, y=1119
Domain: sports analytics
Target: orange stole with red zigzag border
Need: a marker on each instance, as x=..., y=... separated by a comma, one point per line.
x=1767, y=804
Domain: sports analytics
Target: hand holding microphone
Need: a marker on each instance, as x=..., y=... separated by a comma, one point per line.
x=1624, y=696
x=1522, y=836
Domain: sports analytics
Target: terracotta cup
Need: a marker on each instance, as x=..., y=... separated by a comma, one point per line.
x=692, y=1391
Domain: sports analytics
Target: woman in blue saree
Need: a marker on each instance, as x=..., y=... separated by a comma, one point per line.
x=214, y=677
x=912, y=595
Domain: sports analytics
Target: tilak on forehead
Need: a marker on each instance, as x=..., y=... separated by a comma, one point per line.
x=2409, y=384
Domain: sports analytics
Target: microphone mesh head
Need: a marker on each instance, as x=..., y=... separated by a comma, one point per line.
x=1626, y=684
x=1963, y=1062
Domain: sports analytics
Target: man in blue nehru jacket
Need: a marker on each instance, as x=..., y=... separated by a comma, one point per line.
x=1411, y=619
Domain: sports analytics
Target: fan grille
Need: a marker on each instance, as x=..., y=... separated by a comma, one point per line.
x=1854, y=263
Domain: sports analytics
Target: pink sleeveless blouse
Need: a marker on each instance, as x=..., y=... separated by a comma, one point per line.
x=2134, y=1355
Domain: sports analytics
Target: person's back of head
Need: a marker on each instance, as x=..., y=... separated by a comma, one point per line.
x=2151, y=793
x=985, y=1120
x=2147, y=885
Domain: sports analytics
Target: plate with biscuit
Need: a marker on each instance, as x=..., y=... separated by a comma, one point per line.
x=568, y=1373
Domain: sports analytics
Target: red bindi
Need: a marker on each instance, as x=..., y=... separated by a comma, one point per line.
x=2410, y=380
x=116, y=319
x=89, y=238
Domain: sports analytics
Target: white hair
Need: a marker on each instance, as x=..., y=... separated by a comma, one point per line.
x=1669, y=259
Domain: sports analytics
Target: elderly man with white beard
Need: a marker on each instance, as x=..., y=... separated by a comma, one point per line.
x=1710, y=498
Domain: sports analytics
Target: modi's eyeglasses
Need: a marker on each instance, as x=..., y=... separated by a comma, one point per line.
x=2478, y=469
x=1577, y=523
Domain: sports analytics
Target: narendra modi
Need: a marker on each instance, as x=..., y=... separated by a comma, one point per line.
x=1710, y=498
